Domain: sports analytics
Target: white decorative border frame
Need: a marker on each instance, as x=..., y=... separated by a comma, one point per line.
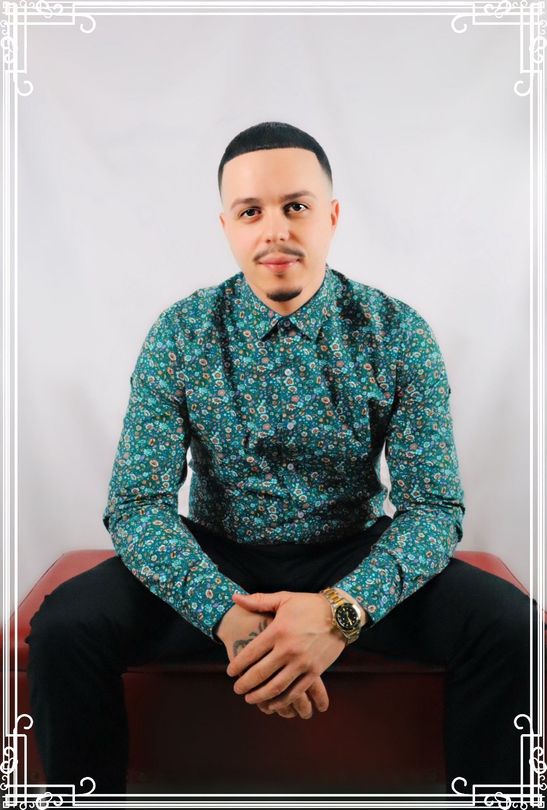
x=530, y=17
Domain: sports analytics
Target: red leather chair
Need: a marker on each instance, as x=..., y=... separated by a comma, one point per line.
x=190, y=733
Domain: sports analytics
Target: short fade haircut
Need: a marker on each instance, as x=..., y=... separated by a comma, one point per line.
x=273, y=135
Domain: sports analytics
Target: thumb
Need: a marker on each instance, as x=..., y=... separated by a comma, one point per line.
x=259, y=601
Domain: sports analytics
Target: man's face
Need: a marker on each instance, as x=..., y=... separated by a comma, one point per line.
x=277, y=206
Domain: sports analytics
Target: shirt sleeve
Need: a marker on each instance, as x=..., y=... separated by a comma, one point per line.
x=149, y=468
x=425, y=481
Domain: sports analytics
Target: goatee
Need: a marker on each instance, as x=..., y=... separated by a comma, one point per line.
x=284, y=295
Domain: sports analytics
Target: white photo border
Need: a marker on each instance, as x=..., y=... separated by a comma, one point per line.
x=530, y=17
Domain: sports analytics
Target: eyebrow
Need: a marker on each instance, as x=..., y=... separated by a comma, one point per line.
x=256, y=201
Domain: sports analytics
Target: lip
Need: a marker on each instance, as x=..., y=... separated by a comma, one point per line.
x=279, y=265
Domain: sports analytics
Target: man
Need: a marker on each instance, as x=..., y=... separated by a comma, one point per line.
x=285, y=381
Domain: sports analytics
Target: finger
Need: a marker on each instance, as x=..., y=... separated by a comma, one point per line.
x=297, y=689
x=303, y=707
x=287, y=712
x=318, y=694
x=254, y=651
x=276, y=686
x=258, y=673
x=258, y=601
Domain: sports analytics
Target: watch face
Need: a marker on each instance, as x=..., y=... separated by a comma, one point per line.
x=347, y=616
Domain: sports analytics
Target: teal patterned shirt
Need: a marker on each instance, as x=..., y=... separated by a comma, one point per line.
x=285, y=418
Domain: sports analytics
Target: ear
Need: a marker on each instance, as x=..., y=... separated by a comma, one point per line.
x=334, y=213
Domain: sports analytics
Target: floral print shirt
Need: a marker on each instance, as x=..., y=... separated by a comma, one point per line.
x=285, y=418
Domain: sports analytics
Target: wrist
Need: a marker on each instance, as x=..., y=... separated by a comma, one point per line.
x=223, y=626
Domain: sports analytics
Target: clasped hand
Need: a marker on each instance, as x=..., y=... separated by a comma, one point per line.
x=292, y=651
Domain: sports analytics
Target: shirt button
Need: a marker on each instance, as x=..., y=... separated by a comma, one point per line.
x=291, y=424
x=290, y=466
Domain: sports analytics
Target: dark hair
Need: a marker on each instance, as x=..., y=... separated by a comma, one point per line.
x=272, y=135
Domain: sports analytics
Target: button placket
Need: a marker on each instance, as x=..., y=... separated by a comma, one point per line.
x=288, y=390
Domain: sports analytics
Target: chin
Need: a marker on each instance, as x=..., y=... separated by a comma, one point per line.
x=284, y=295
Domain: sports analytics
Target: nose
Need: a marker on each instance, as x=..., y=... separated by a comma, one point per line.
x=275, y=227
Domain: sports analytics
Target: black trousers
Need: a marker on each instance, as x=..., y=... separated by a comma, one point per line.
x=96, y=624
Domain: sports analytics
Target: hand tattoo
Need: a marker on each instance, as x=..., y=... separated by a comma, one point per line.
x=242, y=642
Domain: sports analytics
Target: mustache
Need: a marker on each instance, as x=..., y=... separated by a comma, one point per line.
x=283, y=252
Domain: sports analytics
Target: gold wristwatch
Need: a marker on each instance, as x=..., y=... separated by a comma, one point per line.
x=345, y=615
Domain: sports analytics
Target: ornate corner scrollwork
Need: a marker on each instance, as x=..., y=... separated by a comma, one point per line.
x=533, y=40
x=498, y=799
x=14, y=28
x=494, y=795
x=48, y=799
x=17, y=795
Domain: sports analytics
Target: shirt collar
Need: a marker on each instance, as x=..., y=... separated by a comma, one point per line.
x=254, y=316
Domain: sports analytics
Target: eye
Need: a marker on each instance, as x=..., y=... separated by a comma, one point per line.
x=256, y=209
x=248, y=209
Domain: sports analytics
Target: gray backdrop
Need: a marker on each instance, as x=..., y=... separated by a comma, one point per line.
x=119, y=146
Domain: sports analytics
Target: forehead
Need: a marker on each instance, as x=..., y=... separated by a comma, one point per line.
x=272, y=171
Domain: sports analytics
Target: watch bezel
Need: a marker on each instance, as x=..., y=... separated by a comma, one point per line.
x=344, y=609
